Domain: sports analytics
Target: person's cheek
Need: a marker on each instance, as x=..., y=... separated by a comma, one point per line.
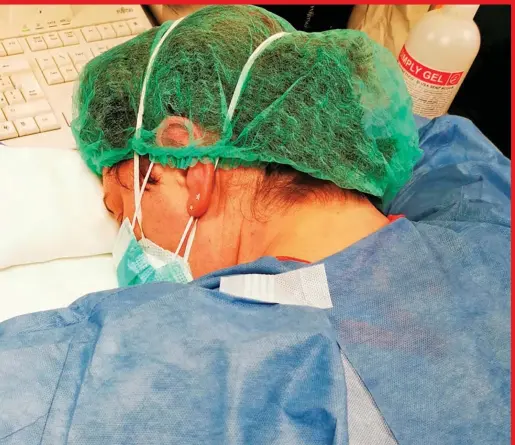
x=163, y=223
x=157, y=222
x=112, y=196
x=128, y=208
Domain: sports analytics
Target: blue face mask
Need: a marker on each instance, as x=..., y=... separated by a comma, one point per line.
x=139, y=262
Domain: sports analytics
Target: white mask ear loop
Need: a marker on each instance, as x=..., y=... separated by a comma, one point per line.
x=190, y=240
x=136, y=190
x=186, y=230
x=138, y=197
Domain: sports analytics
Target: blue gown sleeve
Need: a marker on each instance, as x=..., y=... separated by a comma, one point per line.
x=462, y=177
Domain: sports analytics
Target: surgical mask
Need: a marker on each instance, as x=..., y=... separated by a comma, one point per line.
x=139, y=262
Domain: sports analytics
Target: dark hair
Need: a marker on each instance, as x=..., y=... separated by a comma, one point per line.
x=284, y=185
x=280, y=185
x=144, y=164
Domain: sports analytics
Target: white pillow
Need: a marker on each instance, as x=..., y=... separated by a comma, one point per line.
x=50, y=207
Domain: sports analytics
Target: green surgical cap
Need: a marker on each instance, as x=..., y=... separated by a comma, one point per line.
x=331, y=104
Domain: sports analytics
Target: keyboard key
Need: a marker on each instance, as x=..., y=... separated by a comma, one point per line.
x=91, y=34
x=14, y=97
x=121, y=29
x=62, y=59
x=2, y=117
x=34, y=108
x=26, y=126
x=80, y=56
x=14, y=66
x=106, y=31
x=21, y=80
x=7, y=131
x=5, y=83
x=68, y=38
x=136, y=26
x=12, y=46
x=3, y=52
x=3, y=101
x=46, y=63
x=52, y=40
x=36, y=43
x=47, y=122
x=53, y=76
x=32, y=92
x=99, y=49
x=69, y=73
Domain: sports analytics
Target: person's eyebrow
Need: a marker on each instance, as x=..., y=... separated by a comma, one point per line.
x=105, y=204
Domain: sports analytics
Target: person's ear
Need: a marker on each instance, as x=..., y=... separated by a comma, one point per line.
x=200, y=180
x=177, y=131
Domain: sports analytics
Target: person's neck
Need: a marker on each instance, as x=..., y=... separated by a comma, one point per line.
x=311, y=231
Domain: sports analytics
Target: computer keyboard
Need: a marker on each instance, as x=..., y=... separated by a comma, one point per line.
x=39, y=68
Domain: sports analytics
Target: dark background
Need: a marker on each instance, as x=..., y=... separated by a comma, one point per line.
x=485, y=94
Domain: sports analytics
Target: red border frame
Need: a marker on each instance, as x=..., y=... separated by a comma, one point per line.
x=512, y=207
x=327, y=2
x=257, y=2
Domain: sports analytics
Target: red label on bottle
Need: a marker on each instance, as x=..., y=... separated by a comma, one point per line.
x=426, y=74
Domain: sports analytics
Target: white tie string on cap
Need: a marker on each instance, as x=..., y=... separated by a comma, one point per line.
x=139, y=124
x=138, y=193
x=148, y=72
x=245, y=71
x=243, y=75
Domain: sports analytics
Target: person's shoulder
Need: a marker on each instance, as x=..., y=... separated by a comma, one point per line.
x=91, y=308
x=461, y=178
x=459, y=134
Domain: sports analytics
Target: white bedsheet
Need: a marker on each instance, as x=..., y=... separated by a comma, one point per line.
x=53, y=284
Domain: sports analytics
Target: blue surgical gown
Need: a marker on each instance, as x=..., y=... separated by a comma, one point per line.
x=420, y=314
